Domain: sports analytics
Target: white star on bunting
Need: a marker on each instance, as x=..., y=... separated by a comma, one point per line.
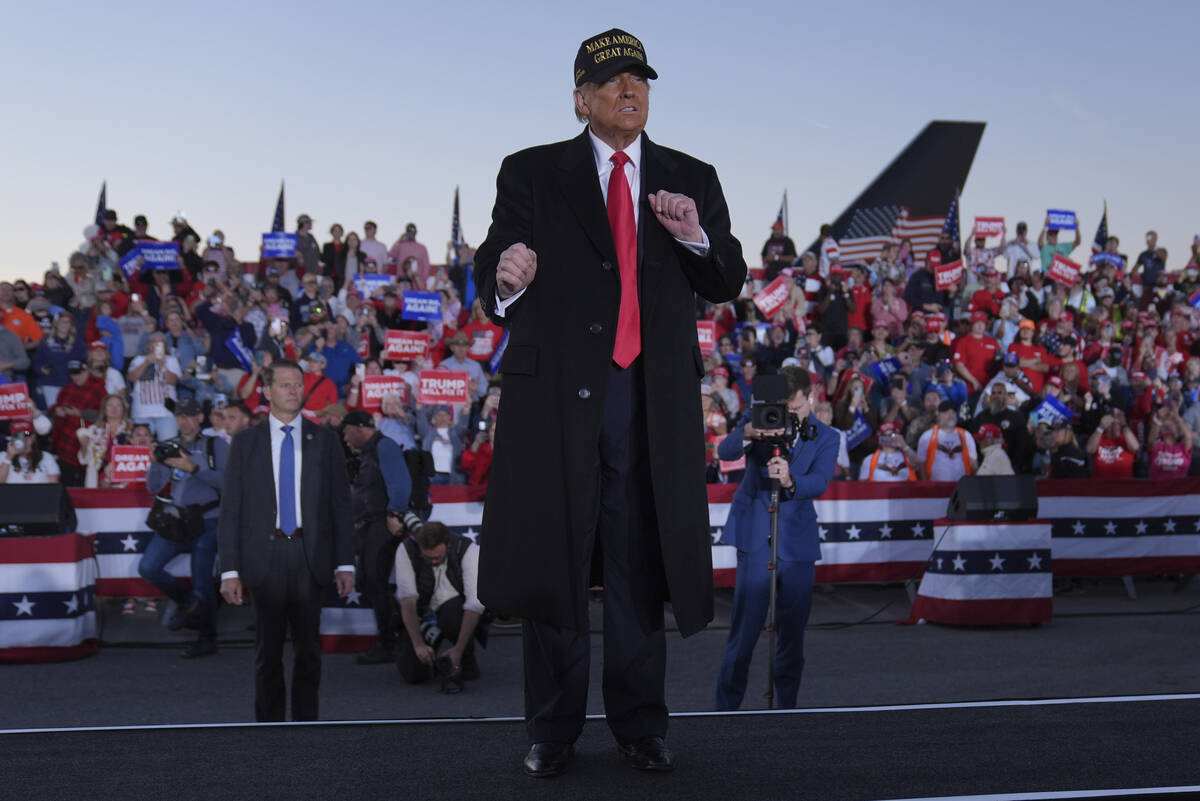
x=1078, y=528
x=959, y=562
x=918, y=530
x=72, y=605
x=1035, y=562
x=853, y=532
x=997, y=562
x=1141, y=527
x=130, y=542
x=1169, y=526
x=1110, y=527
x=822, y=531
x=885, y=532
x=24, y=606
x=353, y=597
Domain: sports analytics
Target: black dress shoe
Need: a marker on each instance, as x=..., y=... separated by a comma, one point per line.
x=201, y=647
x=648, y=753
x=548, y=759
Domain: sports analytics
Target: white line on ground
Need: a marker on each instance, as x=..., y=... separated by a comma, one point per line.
x=1113, y=699
x=1049, y=796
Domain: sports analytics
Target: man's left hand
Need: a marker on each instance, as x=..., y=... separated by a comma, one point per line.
x=181, y=462
x=345, y=582
x=395, y=526
x=678, y=215
x=777, y=468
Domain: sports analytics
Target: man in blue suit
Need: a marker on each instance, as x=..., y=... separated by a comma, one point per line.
x=802, y=478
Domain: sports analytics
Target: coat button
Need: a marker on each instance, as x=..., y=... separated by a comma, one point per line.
x=585, y=393
x=595, y=328
x=606, y=265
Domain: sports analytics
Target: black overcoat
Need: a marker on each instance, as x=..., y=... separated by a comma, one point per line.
x=544, y=471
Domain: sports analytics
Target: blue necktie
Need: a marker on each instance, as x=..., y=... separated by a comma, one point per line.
x=287, y=483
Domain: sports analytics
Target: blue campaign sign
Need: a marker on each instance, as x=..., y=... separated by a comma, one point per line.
x=1195, y=299
x=1051, y=411
x=421, y=306
x=278, y=245
x=859, y=431
x=159, y=255
x=1061, y=220
x=883, y=370
x=239, y=350
x=129, y=264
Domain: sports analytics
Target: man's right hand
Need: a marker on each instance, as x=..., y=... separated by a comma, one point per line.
x=231, y=591
x=518, y=265
x=424, y=653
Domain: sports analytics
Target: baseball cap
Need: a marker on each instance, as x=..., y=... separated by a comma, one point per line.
x=948, y=406
x=979, y=316
x=1055, y=380
x=359, y=418
x=1026, y=323
x=1011, y=359
x=890, y=427
x=75, y=366
x=989, y=431
x=188, y=407
x=606, y=54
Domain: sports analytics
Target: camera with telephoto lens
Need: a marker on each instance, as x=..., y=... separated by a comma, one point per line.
x=168, y=449
x=769, y=412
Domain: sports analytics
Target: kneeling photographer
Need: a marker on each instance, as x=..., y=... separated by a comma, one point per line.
x=185, y=478
x=436, y=578
x=783, y=442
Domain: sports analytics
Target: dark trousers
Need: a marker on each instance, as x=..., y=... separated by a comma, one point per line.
x=153, y=567
x=449, y=619
x=290, y=599
x=625, y=530
x=751, y=594
x=377, y=554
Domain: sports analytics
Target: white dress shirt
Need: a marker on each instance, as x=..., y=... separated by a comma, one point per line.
x=277, y=438
x=603, y=154
x=443, y=590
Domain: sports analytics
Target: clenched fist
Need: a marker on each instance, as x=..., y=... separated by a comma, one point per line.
x=678, y=215
x=518, y=265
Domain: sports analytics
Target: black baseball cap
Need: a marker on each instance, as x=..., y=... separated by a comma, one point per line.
x=188, y=407
x=359, y=418
x=604, y=55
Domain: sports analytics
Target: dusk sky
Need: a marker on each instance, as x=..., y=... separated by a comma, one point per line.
x=378, y=110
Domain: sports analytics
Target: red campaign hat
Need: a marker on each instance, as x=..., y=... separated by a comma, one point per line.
x=836, y=269
x=1055, y=380
x=20, y=427
x=891, y=426
x=979, y=316
x=720, y=370
x=1128, y=325
x=1151, y=323
x=935, y=322
x=1066, y=317
x=917, y=315
x=991, y=430
x=1138, y=375
x=98, y=345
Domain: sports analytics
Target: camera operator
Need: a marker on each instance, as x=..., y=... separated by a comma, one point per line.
x=803, y=476
x=192, y=466
x=379, y=498
x=436, y=574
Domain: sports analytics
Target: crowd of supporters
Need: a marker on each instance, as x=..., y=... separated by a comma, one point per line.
x=106, y=350
x=1005, y=371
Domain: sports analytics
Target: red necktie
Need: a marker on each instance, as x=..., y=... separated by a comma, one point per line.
x=624, y=230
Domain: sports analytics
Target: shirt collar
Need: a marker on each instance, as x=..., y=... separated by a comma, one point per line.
x=277, y=424
x=603, y=152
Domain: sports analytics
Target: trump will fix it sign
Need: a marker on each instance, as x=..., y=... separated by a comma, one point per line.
x=436, y=387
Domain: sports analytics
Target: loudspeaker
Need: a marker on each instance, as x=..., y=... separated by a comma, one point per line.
x=36, y=510
x=983, y=498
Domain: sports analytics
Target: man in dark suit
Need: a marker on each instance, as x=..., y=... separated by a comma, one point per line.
x=285, y=535
x=597, y=248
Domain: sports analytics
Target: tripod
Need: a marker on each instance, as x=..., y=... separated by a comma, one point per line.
x=772, y=568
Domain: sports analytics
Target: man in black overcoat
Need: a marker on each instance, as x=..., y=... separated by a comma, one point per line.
x=597, y=248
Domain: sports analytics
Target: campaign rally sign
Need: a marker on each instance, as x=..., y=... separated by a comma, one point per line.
x=238, y=348
x=14, y=401
x=1195, y=299
x=1061, y=220
x=989, y=226
x=860, y=431
x=947, y=275
x=773, y=296
x=729, y=467
x=1052, y=410
x=483, y=342
x=706, y=333
x=159, y=255
x=884, y=369
x=278, y=245
x=130, y=463
x=1062, y=270
x=368, y=283
x=405, y=346
x=436, y=387
x=421, y=306
x=374, y=387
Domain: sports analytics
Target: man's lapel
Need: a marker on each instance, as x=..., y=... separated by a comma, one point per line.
x=310, y=451
x=262, y=459
x=577, y=174
x=659, y=171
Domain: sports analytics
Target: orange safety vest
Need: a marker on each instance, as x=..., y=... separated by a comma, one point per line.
x=912, y=474
x=932, y=450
